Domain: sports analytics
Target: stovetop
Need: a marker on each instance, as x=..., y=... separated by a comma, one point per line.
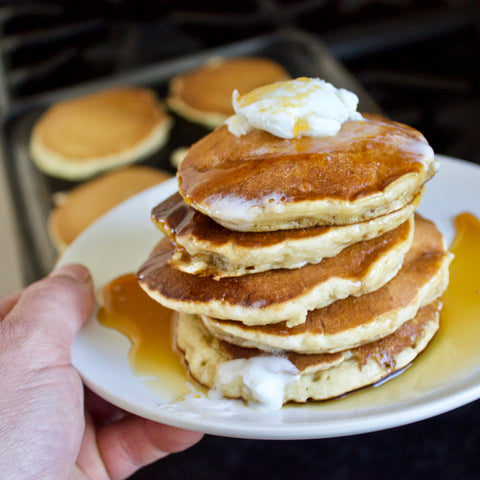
x=418, y=59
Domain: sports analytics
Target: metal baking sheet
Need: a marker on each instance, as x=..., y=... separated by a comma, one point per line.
x=302, y=54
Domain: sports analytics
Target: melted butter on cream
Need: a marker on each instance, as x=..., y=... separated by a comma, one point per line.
x=294, y=108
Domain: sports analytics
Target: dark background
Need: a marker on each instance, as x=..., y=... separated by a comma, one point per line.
x=445, y=447
x=418, y=60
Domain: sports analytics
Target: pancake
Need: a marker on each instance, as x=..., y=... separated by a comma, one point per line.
x=177, y=156
x=208, y=248
x=259, y=182
x=277, y=295
x=205, y=95
x=82, y=205
x=354, y=321
x=78, y=138
x=311, y=377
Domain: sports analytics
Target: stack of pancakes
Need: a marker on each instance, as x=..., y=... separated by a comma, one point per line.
x=305, y=253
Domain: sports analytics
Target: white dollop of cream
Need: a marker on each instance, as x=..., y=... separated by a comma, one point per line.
x=294, y=108
x=264, y=378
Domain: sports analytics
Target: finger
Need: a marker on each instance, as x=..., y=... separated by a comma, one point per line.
x=8, y=303
x=133, y=442
x=49, y=313
x=89, y=463
x=102, y=412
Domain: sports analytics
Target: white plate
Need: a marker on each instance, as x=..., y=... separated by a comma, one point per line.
x=121, y=240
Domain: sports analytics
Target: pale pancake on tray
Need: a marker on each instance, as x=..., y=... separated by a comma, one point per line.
x=353, y=321
x=86, y=202
x=208, y=248
x=80, y=137
x=259, y=182
x=321, y=376
x=204, y=95
x=277, y=295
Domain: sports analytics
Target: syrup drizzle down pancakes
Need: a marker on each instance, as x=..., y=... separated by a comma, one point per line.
x=298, y=265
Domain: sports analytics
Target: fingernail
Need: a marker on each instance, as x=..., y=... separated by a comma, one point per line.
x=74, y=270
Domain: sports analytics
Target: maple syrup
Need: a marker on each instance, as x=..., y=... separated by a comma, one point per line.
x=453, y=352
x=149, y=326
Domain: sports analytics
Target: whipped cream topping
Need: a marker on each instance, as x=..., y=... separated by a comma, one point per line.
x=294, y=108
x=264, y=378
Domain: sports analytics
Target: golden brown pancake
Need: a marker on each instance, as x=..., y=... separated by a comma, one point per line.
x=320, y=376
x=354, y=321
x=82, y=205
x=259, y=182
x=277, y=295
x=205, y=95
x=208, y=248
x=80, y=137
x=177, y=156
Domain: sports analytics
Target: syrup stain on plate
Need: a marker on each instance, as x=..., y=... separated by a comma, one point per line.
x=149, y=326
x=454, y=350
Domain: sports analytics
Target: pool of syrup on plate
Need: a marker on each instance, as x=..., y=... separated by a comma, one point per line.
x=453, y=351
x=149, y=326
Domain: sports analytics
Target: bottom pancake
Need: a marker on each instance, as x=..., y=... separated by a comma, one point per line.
x=255, y=376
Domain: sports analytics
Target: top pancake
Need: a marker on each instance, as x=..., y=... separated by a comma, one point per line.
x=205, y=94
x=259, y=182
x=80, y=137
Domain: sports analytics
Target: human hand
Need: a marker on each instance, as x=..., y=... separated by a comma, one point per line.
x=48, y=430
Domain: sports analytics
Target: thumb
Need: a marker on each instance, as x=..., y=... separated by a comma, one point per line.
x=48, y=314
